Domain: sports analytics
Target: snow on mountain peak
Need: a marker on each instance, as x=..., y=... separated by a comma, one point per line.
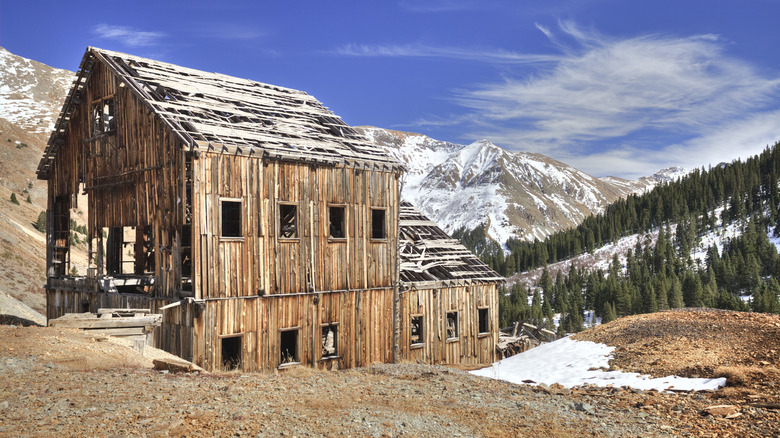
x=31, y=93
x=516, y=195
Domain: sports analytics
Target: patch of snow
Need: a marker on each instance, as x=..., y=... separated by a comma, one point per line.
x=572, y=363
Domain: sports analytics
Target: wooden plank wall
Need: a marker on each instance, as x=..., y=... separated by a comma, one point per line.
x=260, y=261
x=132, y=176
x=433, y=305
x=363, y=318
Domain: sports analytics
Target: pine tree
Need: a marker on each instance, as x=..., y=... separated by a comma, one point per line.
x=40, y=224
x=13, y=199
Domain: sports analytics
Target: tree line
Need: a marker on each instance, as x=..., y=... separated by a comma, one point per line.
x=657, y=274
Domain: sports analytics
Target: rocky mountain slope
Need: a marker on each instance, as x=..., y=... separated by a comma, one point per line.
x=31, y=96
x=521, y=195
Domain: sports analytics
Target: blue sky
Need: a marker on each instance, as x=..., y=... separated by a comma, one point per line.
x=618, y=88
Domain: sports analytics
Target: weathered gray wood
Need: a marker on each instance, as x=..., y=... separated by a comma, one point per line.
x=93, y=322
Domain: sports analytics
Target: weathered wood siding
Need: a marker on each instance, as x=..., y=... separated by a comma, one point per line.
x=363, y=318
x=470, y=346
x=133, y=175
x=260, y=261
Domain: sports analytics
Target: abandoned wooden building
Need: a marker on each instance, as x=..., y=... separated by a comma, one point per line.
x=263, y=228
x=449, y=298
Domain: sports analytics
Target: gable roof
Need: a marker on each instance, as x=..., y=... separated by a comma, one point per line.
x=428, y=254
x=225, y=114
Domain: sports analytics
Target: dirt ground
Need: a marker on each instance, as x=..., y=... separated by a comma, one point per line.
x=62, y=381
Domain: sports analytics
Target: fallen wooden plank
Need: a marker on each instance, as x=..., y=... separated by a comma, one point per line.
x=127, y=311
x=93, y=322
x=123, y=331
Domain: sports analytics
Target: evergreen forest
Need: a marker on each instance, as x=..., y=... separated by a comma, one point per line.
x=658, y=273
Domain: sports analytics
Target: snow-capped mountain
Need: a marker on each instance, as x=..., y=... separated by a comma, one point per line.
x=31, y=93
x=522, y=195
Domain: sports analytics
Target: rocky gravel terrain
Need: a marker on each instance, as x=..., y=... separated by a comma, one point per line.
x=71, y=383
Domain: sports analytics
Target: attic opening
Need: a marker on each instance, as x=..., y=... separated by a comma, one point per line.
x=231, y=352
x=336, y=219
x=103, y=117
x=288, y=346
x=288, y=221
x=378, y=223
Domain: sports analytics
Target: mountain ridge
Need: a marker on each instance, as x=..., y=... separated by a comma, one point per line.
x=523, y=195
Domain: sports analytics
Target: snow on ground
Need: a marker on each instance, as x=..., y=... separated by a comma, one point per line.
x=573, y=363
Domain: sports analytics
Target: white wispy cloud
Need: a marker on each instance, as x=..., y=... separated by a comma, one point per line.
x=128, y=36
x=427, y=51
x=608, y=105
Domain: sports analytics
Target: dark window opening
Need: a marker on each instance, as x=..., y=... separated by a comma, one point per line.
x=289, y=346
x=231, y=218
x=452, y=325
x=377, y=223
x=484, y=322
x=329, y=340
x=337, y=222
x=231, y=353
x=417, y=330
x=288, y=224
x=84, y=306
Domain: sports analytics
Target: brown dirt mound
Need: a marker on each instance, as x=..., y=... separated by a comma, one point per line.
x=743, y=347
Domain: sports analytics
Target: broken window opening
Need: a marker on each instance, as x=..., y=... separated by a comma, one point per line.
x=416, y=330
x=288, y=221
x=103, y=117
x=378, y=223
x=329, y=341
x=484, y=322
x=231, y=352
x=231, y=219
x=336, y=219
x=288, y=343
x=452, y=325
x=61, y=236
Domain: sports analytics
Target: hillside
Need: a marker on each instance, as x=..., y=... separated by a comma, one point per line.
x=66, y=382
x=31, y=95
x=518, y=195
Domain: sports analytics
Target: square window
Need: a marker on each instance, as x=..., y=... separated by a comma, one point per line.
x=452, y=325
x=416, y=330
x=378, y=223
x=288, y=221
x=288, y=342
x=329, y=340
x=336, y=229
x=231, y=219
x=484, y=322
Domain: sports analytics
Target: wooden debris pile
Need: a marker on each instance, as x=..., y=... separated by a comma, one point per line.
x=135, y=324
x=521, y=337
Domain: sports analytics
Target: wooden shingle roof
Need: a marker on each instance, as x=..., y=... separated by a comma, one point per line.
x=225, y=114
x=428, y=254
